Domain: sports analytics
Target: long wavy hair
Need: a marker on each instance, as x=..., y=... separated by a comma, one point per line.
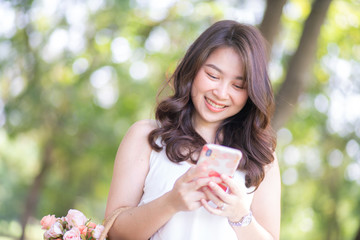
x=249, y=130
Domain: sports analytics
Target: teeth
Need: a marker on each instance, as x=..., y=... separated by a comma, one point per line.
x=214, y=104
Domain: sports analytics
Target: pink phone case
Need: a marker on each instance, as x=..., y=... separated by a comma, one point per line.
x=220, y=160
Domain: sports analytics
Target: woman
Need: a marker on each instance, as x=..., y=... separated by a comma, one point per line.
x=222, y=94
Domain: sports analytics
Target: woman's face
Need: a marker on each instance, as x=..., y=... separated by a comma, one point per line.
x=219, y=89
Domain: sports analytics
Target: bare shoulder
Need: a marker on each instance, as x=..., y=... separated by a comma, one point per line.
x=272, y=166
x=271, y=181
x=266, y=201
x=131, y=166
x=144, y=126
x=135, y=142
x=139, y=131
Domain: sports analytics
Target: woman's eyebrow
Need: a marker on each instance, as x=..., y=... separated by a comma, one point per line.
x=214, y=67
x=220, y=71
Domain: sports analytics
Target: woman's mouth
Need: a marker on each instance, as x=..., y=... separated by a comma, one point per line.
x=213, y=106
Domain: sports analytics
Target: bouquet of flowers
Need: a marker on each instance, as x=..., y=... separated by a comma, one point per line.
x=74, y=226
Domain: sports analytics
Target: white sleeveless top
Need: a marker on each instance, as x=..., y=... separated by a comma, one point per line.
x=189, y=225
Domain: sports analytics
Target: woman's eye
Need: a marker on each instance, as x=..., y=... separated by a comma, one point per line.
x=239, y=86
x=211, y=76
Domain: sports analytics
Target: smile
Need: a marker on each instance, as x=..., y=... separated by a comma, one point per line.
x=215, y=105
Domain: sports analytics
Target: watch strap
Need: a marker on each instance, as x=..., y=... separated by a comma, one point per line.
x=244, y=221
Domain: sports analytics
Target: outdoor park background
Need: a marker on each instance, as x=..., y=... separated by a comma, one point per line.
x=74, y=75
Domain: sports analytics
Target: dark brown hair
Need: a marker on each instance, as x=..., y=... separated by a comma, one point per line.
x=249, y=130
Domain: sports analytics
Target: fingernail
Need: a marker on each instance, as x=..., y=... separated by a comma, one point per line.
x=211, y=184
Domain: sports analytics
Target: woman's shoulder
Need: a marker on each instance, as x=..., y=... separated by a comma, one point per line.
x=136, y=136
x=140, y=130
x=144, y=126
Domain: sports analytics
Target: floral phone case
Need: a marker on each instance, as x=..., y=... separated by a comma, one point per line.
x=220, y=160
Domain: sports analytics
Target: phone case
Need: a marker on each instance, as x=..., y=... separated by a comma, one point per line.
x=220, y=159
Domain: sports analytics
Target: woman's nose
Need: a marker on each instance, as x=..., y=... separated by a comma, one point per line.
x=221, y=91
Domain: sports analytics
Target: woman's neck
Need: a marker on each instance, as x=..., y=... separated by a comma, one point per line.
x=206, y=131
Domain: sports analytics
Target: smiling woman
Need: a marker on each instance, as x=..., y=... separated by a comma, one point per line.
x=217, y=91
x=222, y=95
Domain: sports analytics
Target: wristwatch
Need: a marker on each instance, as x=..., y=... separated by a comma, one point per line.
x=244, y=221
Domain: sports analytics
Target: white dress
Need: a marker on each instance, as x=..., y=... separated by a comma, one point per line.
x=189, y=225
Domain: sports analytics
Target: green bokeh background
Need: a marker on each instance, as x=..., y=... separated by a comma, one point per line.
x=74, y=75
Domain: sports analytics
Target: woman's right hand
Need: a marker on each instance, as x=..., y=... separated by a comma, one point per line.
x=186, y=194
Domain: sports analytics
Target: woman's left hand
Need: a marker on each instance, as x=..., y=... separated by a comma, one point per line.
x=229, y=204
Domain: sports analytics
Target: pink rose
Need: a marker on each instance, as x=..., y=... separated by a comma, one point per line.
x=55, y=231
x=83, y=229
x=73, y=234
x=47, y=221
x=97, y=231
x=75, y=218
x=91, y=226
x=46, y=235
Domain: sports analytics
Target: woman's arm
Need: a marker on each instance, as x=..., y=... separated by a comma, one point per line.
x=130, y=171
x=267, y=199
x=265, y=205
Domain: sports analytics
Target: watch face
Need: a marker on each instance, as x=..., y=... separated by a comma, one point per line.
x=246, y=221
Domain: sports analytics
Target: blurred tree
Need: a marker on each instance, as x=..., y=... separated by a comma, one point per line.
x=271, y=21
x=314, y=149
x=75, y=75
x=299, y=69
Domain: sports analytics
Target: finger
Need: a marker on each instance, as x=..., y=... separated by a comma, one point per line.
x=195, y=172
x=212, y=197
x=197, y=195
x=211, y=209
x=219, y=192
x=198, y=183
x=216, y=179
x=231, y=183
x=194, y=200
x=190, y=200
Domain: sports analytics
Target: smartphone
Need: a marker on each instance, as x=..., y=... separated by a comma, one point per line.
x=220, y=160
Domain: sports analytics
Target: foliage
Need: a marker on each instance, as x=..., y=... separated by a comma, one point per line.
x=75, y=75
x=319, y=148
